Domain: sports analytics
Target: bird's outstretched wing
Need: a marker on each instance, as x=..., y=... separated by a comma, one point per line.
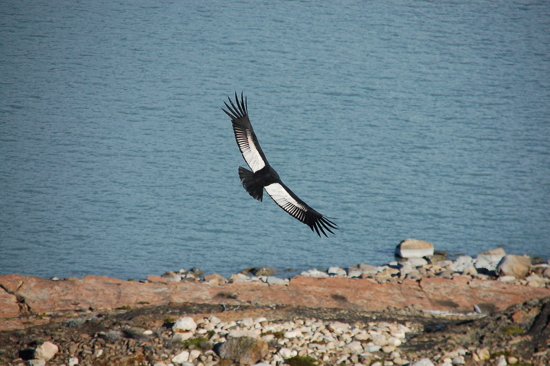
x=297, y=208
x=244, y=134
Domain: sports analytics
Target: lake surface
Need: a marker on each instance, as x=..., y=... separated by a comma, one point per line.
x=398, y=119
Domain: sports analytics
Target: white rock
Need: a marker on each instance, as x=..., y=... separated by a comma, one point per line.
x=506, y=279
x=181, y=357
x=388, y=349
x=314, y=273
x=501, y=361
x=73, y=361
x=336, y=271
x=410, y=248
x=245, y=333
x=372, y=348
x=185, y=323
x=285, y=352
x=355, y=346
x=272, y=280
x=461, y=263
x=459, y=360
x=214, y=319
x=493, y=255
x=292, y=334
x=260, y=320
x=423, y=362
x=363, y=336
x=194, y=354
x=417, y=262
x=246, y=322
x=46, y=351
x=379, y=340
x=147, y=332
x=394, y=341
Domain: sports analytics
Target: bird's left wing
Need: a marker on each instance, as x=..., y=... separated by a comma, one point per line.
x=297, y=208
x=244, y=134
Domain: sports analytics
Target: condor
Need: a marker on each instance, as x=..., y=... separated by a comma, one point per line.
x=263, y=176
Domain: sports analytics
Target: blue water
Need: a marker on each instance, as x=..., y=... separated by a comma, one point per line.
x=398, y=119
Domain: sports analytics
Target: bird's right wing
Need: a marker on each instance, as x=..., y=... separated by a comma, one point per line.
x=244, y=134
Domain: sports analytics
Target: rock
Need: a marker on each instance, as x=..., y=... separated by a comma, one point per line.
x=215, y=279
x=181, y=357
x=372, y=348
x=73, y=361
x=184, y=324
x=360, y=269
x=36, y=362
x=336, y=271
x=462, y=262
x=501, y=361
x=314, y=273
x=46, y=351
x=238, y=277
x=410, y=248
x=493, y=255
x=470, y=271
x=171, y=276
x=285, y=352
x=483, y=353
x=244, y=350
x=196, y=272
x=546, y=273
x=423, y=362
x=514, y=265
x=259, y=271
x=416, y=262
x=272, y=280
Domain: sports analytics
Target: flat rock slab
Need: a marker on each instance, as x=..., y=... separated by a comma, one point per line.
x=21, y=295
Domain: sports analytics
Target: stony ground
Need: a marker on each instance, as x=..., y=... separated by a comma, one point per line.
x=519, y=335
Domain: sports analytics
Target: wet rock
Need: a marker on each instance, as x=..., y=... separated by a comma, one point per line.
x=410, y=248
x=514, y=265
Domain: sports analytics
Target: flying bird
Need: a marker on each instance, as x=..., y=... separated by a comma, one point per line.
x=263, y=176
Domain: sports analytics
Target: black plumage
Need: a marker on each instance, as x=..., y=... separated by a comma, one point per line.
x=263, y=176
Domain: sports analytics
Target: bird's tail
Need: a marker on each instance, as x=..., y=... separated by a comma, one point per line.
x=249, y=184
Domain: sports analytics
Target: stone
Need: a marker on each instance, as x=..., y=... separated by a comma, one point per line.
x=238, y=277
x=259, y=271
x=461, y=263
x=36, y=362
x=314, y=273
x=501, y=361
x=483, y=353
x=285, y=352
x=215, y=279
x=184, y=324
x=244, y=350
x=470, y=271
x=410, y=248
x=272, y=280
x=514, y=265
x=46, y=351
x=336, y=271
x=181, y=357
x=423, y=362
x=73, y=361
x=372, y=348
x=492, y=255
x=546, y=273
x=171, y=276
x=417, y=261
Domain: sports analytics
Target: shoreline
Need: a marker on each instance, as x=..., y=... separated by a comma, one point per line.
x=421, y=311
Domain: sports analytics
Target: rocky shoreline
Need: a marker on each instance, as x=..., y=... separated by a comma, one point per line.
x=492, y=309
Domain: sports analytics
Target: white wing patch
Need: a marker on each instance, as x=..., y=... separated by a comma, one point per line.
x=251, y=154
x=285, y=200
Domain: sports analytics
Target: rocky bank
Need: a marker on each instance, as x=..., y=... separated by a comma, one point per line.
x=419, y=311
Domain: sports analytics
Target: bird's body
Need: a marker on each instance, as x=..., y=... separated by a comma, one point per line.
x=263, y=176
